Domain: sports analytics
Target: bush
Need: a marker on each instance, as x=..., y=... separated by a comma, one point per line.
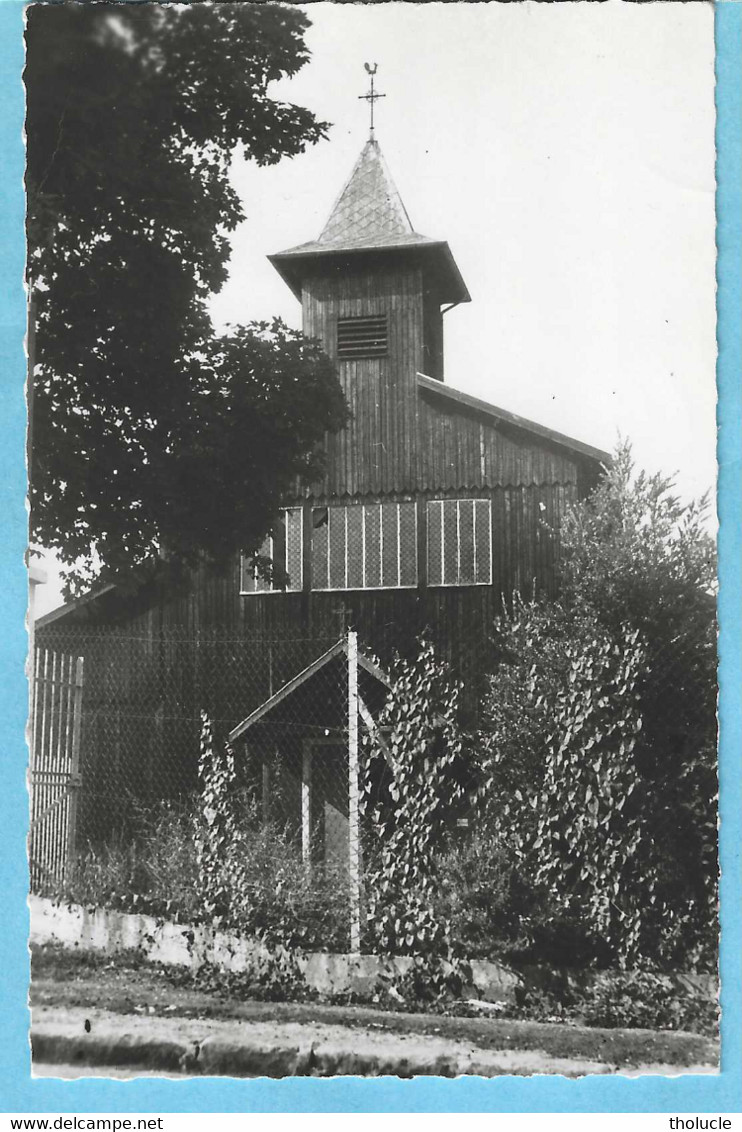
x=573, y=822
x=494, y=911
x=479, y=896
x=265, y=887
x=153, y=871
x=410, y=785
x=645, y=1000
x=271, y=894
x=630, y=1000
x=270, y=977
x=598, y=733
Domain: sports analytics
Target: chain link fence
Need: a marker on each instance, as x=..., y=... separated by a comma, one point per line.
x=292, y=709
x=297, y=712
x=142, y=700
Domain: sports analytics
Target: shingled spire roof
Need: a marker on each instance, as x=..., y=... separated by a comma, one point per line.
x=369, y=216
x=369, y=211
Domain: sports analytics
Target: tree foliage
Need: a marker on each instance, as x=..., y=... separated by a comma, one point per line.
x=600, y=730
x=149, y=433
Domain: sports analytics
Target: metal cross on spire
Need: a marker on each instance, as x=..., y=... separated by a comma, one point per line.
x=372, y=95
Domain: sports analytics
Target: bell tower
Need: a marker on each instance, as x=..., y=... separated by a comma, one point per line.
x=372, y=291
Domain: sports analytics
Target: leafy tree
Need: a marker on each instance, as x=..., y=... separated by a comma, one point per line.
x=600, y=731
x=635, y=554
x=148, y=433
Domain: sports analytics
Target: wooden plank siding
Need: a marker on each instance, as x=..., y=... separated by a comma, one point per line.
x=399, y=439
x=524, y=555
x=375, y=453
x=458, y=450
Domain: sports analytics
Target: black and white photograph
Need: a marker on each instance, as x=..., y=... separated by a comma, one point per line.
x=372, y=491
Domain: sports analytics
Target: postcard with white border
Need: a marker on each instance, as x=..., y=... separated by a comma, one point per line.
x=371, y=463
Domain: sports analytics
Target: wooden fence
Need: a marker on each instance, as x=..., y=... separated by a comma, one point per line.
x=54, y=770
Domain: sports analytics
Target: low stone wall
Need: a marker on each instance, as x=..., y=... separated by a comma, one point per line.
x=179, y=945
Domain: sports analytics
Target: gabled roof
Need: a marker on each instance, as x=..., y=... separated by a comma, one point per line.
x=367, y=670
x=369, y=216
x=71, y=606
x=458, y=400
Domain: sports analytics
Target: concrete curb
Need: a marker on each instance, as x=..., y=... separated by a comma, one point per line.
x=75, y=1039
x=210, y=1057
x=218, y=1058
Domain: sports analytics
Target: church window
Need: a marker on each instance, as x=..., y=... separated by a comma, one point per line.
x=285, y=547
x=459, y=542
x=364, y=546
x=364, y=337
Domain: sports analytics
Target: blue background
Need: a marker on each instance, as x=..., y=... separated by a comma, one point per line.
x=19, y=1093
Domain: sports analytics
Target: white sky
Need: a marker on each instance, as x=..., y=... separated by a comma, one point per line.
x=566, y=152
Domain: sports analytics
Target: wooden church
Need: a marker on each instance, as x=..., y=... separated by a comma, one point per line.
x=434, y=503
x=434, y=506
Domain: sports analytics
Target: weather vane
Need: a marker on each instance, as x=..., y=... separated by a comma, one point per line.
x=372, y=95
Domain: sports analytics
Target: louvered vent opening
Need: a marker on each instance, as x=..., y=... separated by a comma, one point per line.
x=362, y=337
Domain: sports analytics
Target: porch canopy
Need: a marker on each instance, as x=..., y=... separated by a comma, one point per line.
x=305, y=740
x=316, y=699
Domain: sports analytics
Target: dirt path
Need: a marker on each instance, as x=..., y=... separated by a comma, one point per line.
x=139, y=1020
